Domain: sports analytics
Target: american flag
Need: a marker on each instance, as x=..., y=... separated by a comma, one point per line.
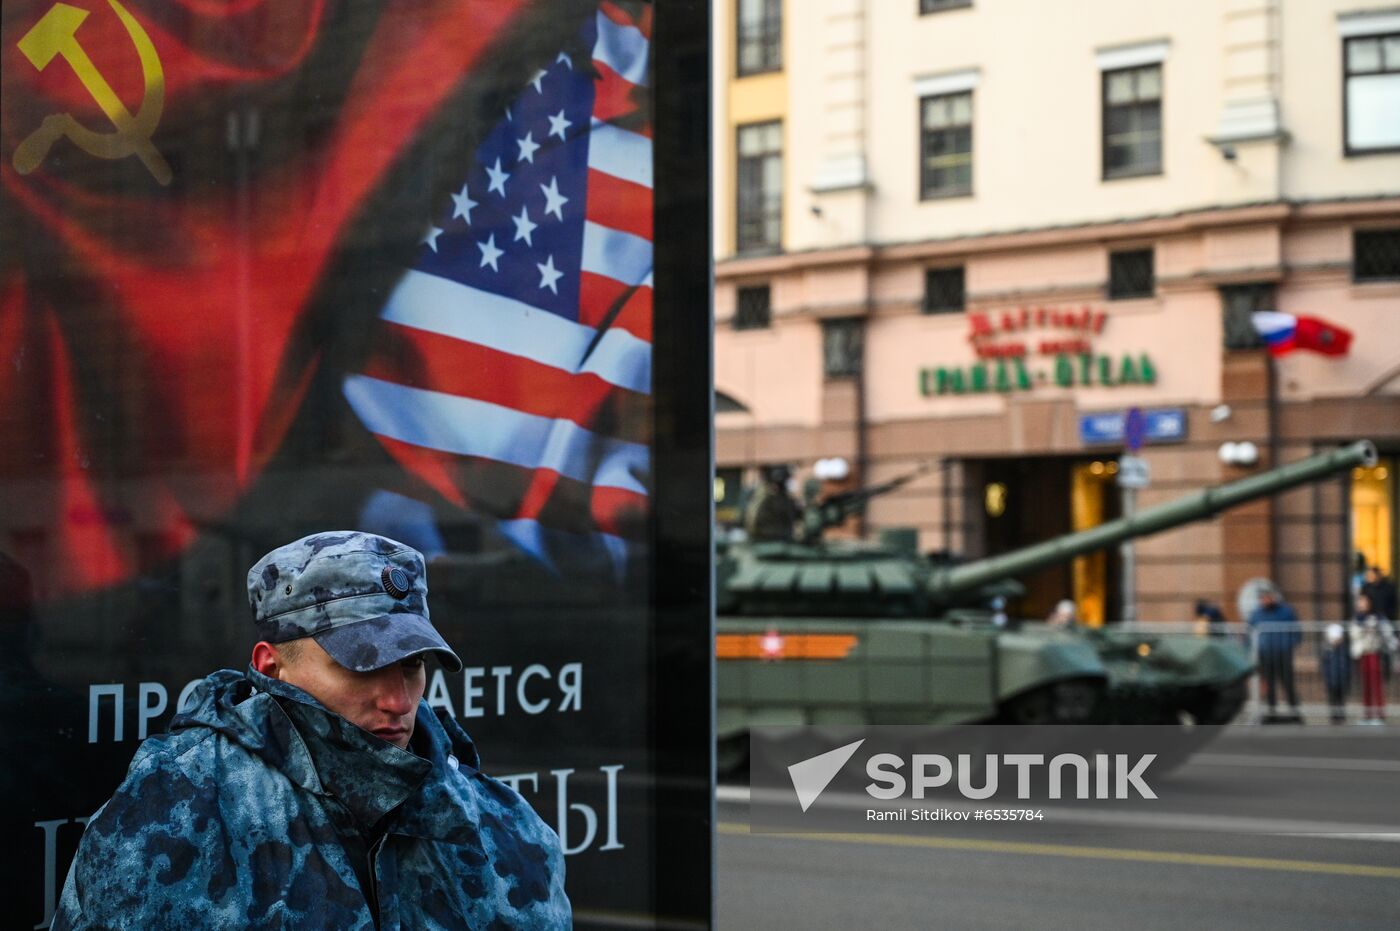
x=512, y=369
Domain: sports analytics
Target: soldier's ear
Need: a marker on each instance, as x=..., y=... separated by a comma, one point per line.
x=265, y=660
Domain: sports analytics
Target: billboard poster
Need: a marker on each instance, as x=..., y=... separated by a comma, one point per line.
x=434, y=269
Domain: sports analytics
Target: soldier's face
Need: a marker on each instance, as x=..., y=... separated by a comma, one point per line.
x=382, y=702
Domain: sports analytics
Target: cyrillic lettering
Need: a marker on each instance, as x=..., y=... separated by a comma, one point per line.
x=145, y=710
x=501, y=673
x=612, y=843
x=535, y=669
x=472, y=692
x=590, y=818
x=116, y=692
x=50, y=829
x=571, y=685
x=437, y=693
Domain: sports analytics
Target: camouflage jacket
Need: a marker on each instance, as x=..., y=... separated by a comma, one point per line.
x=250, y=812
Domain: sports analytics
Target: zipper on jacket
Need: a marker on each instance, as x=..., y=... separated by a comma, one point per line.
x=373, y=891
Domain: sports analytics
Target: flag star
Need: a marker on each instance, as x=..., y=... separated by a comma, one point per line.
x=564, y=57
x=431, y=236
x=557, y=124
x=549, y=275
x=464, y=205
x=509, y=118
x=489, y=253
x=498, y=178
x=554, y=201
x=538, y=80
x=528, y=145
x=523, y=227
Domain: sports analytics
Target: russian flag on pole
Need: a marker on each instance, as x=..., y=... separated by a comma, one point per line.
x=1283, y=333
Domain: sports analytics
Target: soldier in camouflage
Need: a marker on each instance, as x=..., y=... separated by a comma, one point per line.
x=318, y=790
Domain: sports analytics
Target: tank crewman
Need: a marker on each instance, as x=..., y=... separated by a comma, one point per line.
x=771, y=511
x=317, y=789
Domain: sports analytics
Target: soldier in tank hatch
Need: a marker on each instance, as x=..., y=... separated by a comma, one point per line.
x=317, y=789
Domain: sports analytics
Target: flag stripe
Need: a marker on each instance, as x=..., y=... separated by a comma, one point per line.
x=597, y=295
x=620, y=153
x=619, y=15
x=613, y=203
x=476, y=428
x=620, y=101
x=622, y=48
x=422, y=359
x=427, y=302
x=615, y=254
x=502, y=488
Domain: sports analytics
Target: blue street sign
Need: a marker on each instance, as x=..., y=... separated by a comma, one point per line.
x=1162, y=425
x=1134, y=429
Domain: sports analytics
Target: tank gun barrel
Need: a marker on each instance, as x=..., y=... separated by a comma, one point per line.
x=947, y=585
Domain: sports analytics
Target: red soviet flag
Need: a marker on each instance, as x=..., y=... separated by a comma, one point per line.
x=1321, y=336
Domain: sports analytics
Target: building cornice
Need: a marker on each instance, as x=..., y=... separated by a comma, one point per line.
x=1187, y=221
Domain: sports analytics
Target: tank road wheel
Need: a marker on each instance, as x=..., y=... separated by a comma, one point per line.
x=1068, y=702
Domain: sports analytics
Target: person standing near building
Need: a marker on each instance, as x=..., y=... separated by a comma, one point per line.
x=1335, y=663
x=1274, y=625
x=1379, y=590
x=1372, y=645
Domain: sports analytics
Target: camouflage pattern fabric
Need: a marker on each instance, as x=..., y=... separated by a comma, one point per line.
x=362, y=596
x=239, y=818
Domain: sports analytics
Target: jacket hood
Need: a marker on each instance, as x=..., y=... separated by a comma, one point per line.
x=290, y=731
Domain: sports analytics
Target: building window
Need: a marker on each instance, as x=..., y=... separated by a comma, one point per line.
x=1132, y=122
x=1372, y=93
x=760, y=36
x=754, y=310
x=1130, y=274
x=944, y=292
x=760, y=204
x=841, y=347
x=945, y=168
x=938, y=6
x=1239, y=303
x=1375, y=255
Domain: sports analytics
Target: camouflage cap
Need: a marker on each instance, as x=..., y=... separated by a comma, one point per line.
x=363, y=597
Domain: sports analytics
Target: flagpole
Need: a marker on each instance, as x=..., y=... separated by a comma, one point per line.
x=1274, y=463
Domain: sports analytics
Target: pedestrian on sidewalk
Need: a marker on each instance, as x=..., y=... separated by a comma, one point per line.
x=1372, y=644
x=1274, y=625
x=1335, y=662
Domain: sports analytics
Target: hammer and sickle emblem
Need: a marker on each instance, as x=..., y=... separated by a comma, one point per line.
x=55, y=36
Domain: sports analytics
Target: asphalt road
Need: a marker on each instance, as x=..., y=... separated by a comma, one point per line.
x=1256, y=835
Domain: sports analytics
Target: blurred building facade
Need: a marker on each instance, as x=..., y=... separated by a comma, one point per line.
x=975, y=232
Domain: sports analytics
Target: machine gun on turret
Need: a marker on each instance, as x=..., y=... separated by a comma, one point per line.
x=820, y=516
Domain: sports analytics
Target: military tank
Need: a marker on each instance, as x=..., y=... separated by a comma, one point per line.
x=847, y=632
